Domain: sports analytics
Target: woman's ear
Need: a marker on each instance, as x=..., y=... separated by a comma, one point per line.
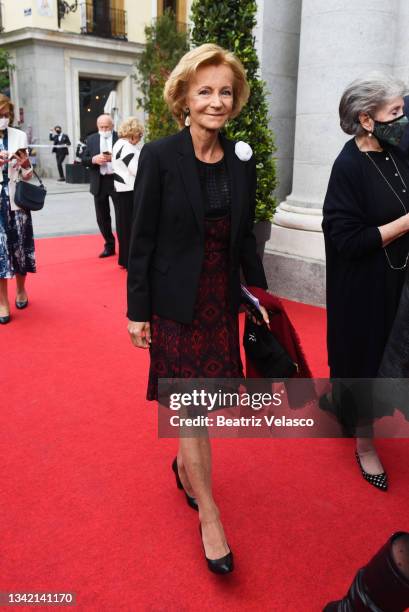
x=366, y=122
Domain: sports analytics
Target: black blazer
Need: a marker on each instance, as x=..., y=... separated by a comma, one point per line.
x=64, y=141
x=167, y=243
x=92, y=148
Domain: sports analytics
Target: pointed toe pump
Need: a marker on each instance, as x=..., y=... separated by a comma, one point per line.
x=223, y=565
x=380, y=481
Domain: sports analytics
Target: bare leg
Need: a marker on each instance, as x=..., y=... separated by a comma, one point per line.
x=368, y=456
x=400, y=554
x=21, y=295
x=4, y=300
x=195, y=461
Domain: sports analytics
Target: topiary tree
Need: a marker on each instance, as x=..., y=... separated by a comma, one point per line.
x=165, y=45
x=230, y=23
x=5, y=67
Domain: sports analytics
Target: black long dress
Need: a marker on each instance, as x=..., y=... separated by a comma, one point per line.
x=208, y=347
x=363, y=291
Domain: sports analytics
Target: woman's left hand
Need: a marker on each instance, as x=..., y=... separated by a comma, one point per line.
x=265, y=315
x=256, y=319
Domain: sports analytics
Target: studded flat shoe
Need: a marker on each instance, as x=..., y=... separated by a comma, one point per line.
x=380, y=481
x=191, y=501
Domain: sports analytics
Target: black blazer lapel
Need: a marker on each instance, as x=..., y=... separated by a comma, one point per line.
x=190, y=176
x=238, y=184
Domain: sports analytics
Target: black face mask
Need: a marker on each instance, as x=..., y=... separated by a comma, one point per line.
x=58, y=131
x=391, y=132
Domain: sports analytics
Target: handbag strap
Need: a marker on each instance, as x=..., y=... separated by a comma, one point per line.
x=20, y=172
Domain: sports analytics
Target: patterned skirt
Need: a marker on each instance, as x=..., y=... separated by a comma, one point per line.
x=209, y=346
x=16, y=240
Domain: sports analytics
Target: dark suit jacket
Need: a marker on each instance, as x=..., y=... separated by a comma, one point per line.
x=167, y=243
x=92, y=148
x=64, y=141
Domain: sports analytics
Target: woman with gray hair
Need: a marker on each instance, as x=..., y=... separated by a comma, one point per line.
x=365, y=225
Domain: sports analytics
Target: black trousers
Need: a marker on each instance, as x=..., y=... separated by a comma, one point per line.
x=124, y=224
x=103, y=213
x=60, y=158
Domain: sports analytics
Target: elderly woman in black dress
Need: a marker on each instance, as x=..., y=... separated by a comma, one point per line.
x=192, y=231
x=366, y=225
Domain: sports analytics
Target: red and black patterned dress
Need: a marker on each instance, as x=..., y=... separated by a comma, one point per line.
x=208, y=347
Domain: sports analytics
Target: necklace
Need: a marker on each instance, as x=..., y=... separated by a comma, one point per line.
x=404, y=190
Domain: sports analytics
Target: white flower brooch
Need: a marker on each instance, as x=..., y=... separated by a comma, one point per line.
x=243, y=150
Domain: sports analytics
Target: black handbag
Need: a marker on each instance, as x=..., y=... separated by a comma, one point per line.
x=266, y=353
x=28, y=196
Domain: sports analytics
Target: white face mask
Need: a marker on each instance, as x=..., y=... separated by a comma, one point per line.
x=4, y=121
x=105, y=134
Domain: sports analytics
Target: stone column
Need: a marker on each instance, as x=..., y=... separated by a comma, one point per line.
x=402, y=43
x=278, y=45
x=340, y=40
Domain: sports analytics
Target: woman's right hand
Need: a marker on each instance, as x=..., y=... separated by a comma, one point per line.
x=140, y=333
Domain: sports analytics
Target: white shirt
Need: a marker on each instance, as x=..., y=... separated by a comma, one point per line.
x=105, y=144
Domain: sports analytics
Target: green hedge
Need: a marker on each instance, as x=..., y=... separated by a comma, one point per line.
x=230, y=23
x=164, y=47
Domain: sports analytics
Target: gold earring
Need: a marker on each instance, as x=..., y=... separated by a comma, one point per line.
x=187, y=117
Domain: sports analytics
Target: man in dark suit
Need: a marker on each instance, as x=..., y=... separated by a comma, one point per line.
x=60, y=139
x=97, y=157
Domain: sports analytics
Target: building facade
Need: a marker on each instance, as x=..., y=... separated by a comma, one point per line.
x=69, y=57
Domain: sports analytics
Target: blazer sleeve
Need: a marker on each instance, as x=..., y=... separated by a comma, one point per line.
x=67, y=140
x=147, y=202
x=344, y=218
x=250, y=261
x=87, y=156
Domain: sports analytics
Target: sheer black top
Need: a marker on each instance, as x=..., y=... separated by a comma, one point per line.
x=215, y=186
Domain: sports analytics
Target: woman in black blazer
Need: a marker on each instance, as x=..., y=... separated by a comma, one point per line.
x=192, y=231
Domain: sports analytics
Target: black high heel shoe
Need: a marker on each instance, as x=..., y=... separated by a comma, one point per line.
x=4, y=320
x=380, y=481
x=191, y=501
x=22, y=305
x=223, y=565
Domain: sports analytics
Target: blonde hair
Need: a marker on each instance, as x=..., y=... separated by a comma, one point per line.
x=5, y=101
x=130, y=127
x=206, y=55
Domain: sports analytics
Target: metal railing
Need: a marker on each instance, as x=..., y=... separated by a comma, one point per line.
x=109, y=24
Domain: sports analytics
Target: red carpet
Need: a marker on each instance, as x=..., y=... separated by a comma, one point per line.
x=89, y=502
